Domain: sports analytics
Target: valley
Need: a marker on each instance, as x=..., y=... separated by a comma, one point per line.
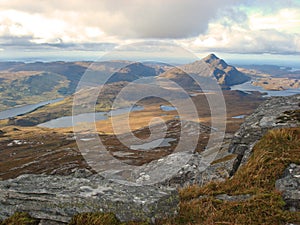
x=61, y=138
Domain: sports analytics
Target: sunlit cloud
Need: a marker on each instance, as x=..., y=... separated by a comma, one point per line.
x=286, y=20
x=278, y=33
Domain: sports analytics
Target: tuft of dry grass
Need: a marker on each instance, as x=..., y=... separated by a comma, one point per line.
x=20, y=218
x=100, y=219
x=95, y=219
x=224, y=159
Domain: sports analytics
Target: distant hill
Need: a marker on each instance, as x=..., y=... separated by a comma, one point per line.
x=29, y=83
x=133, y=72
x=210, y=66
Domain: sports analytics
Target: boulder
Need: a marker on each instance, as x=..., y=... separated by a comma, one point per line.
x=183, y=169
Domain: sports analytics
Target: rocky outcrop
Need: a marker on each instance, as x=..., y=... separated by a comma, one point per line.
x=182, y=169
x=289, y=185
x=276, y=112
x=58, y=198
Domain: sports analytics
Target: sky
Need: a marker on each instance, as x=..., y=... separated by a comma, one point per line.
x=228, y=27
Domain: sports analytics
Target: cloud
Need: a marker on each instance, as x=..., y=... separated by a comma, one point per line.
x=277, y=33
x=124, y=19
x=270, y=6
x=215, y=25
x=25, y=43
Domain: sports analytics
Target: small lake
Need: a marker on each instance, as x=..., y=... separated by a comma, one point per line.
x=25, y=109
x=167, y=108
x=162, y=142
x=247, y=87
x=239, y=117
x=294, y=69
x=67, y=121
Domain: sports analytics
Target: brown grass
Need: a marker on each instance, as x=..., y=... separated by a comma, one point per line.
x=271, y=156
x=95, y=219
x=45, y=151
x=224, y=159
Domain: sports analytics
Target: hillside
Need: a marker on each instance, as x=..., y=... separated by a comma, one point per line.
x=244, y=180
x=249, y=197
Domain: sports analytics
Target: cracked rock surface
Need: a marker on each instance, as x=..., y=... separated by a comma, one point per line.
x=58, y=198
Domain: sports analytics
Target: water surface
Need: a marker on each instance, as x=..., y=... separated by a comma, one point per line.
x=24, y=109
x=161, y=142
x=167, y=108
x=239, y=117
x=67, y=121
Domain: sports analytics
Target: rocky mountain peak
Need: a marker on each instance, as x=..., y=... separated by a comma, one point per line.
x=210, y=57
x=214, y=61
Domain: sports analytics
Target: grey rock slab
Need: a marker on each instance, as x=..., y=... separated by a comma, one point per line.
x=183, y=169
x=58, y=198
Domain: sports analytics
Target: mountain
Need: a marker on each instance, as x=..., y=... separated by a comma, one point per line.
x=133, y=72
x=210, y=66
x=224, y=73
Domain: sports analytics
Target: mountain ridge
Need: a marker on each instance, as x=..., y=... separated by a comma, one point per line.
x=65, y=76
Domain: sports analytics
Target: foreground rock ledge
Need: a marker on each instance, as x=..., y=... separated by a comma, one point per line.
x=58, y=198
x=289, y=185
x=276, y=112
